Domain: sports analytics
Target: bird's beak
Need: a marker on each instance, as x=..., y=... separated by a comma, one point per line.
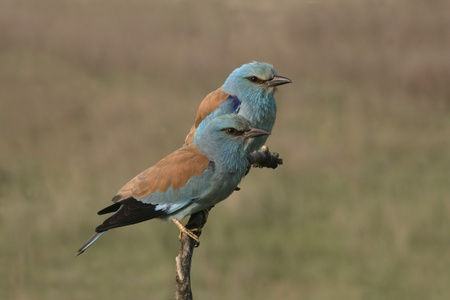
x=254, y=132
x=278, y=80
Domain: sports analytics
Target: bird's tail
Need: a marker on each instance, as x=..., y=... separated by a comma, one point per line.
x=89, y=242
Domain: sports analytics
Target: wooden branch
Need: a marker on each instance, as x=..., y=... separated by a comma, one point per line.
x=183, y=260
x=262, y=159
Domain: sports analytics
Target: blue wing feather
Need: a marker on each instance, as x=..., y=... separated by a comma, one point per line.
x=158, y=205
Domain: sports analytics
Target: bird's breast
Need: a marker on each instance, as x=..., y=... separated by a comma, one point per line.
x=261, y=113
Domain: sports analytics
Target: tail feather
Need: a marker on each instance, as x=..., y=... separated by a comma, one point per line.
x=89, y=242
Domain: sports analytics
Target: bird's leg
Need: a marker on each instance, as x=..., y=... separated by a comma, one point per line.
x=186, y=231
x=206, y=213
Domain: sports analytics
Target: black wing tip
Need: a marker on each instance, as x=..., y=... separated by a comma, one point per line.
x=110, y=209
x=117, y=198
x=127, y=212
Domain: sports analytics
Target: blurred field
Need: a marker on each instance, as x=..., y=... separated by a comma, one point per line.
x=92, y=92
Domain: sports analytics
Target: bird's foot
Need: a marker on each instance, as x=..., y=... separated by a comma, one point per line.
x=263, y=158
x=190, y=233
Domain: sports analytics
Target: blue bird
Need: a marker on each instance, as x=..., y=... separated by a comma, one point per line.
x=189, y=180
x=250, y=90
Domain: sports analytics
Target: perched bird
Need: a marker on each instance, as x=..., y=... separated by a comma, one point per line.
x=251, y=89
x=189, y=180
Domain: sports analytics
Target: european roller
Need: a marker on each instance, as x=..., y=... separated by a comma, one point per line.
x=251, y=89
x=189, y=180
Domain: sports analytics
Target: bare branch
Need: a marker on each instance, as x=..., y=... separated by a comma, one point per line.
x=184, y=259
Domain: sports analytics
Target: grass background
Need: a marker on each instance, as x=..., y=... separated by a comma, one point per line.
x=92, y=92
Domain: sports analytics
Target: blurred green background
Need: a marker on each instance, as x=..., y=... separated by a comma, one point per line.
x=93, y=92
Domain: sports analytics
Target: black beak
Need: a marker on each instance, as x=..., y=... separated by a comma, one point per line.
x=278, y=80
x=254, y=132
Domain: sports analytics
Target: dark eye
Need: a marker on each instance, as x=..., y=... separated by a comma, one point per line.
x=230, y=131
x=254, y=79
x=233, y=131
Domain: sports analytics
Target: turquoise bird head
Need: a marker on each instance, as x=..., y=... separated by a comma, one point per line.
x=226, y=138
x=253, y=80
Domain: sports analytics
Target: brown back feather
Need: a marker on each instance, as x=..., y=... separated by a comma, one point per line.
x=172, y=171
x=208, y=105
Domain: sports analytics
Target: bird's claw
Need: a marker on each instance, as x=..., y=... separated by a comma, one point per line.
x=263, y=158
x=188, y=232
x=196, y=238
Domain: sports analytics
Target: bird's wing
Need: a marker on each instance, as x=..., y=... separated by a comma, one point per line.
x=173, y=172
x=170, y=185
x=211, y=102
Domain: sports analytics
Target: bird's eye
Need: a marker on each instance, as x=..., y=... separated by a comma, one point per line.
x=233, y=131
x=230, y=131
x=254, y=79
